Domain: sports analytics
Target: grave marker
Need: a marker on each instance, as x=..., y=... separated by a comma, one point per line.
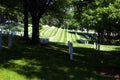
x=10, y=40
x=14, y=33
x=86, y=42
x=0, y=40
x=29, y=35
x=44, y=40
x=96, y=46
x=70, y=50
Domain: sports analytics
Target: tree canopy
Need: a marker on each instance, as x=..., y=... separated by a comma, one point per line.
x=103, y=16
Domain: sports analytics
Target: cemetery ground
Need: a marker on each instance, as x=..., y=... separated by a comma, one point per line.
x=24, y=61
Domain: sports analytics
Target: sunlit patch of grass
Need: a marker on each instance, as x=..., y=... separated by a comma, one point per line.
x=15, y=68
x=109, y=48
x=65, y=69
x=21, y=62
x=6, y=74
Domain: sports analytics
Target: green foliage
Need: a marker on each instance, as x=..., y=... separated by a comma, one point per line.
x=11, y=10
x=104, y=12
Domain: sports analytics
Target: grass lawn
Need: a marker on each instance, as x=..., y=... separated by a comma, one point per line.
x=25, y=61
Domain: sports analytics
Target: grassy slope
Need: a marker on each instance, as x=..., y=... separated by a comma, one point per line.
x=42, y=32
x=64, y=36
x=58, y=35
x=30, y=62
x=34, y=62
x=53, y=32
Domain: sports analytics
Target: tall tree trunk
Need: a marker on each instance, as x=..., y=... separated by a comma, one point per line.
x=37, y=8
x=25, y=5
x=109, y=37
x=26, y=25
x=35, y=29
x=99, y=34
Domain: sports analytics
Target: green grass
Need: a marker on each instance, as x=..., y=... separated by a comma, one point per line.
x=64, y=36
x=110, y=47
x=61, y=35
x=6, y=74
x=58, y=35
x=25, y=61
x=54, y=31
x=50, y=31
x=42, y=32
x=30, y=30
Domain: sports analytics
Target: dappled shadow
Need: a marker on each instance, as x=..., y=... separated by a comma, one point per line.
x=48, y=62
x=117, y=49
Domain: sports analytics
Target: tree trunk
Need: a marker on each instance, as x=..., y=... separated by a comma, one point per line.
x=99, y=35
x=37, y=8
x=35, y=29
x=109, y=38
x=108, y=35
x=25, y=5
x=26, y=25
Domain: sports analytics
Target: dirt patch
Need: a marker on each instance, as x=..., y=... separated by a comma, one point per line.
x=112, y=72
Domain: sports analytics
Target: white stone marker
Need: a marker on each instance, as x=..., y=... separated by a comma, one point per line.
x=96, y=46
x=10, y=40
x=86, y=42
x=0, y=40
x=70, y=50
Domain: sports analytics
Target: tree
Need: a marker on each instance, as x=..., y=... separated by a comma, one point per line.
x=38, y=7
x=11, y=9
x=102, y=16
x=25, y=6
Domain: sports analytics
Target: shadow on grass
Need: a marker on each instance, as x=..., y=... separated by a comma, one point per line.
x=51, y=62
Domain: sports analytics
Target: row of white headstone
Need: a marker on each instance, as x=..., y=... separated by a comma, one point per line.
x=84, y=41
x=10, y=36
x=70, y=45
x=96, y=45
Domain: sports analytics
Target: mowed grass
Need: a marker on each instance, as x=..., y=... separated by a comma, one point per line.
x=24, y=61
x=63, y=36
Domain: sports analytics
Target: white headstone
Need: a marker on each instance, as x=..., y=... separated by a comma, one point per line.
x=44, y=40
x=10, y=40
x=0, y=40
x=29, y=35
x=21, y=33
x=70, y=50
x=14, y=33
x=96, y=46
x=86, y=42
